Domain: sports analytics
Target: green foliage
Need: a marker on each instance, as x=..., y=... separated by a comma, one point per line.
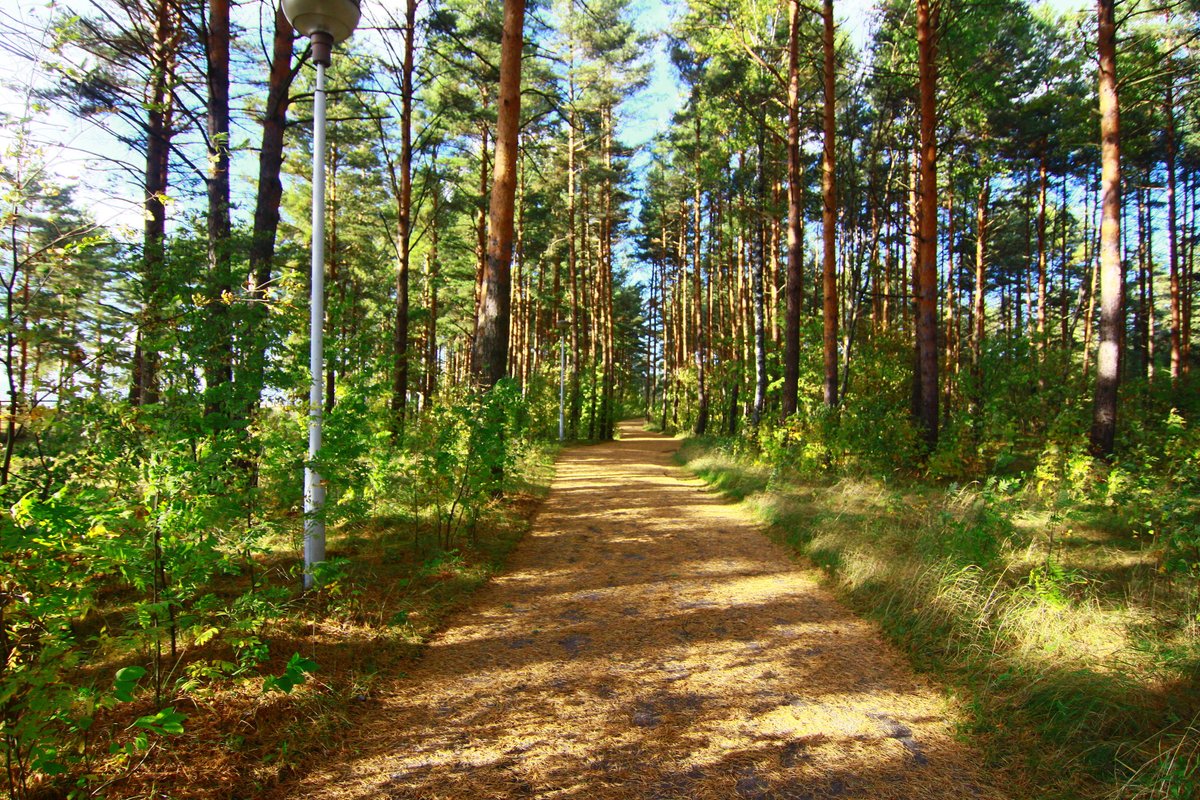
x=295, y=673
x=459, y=456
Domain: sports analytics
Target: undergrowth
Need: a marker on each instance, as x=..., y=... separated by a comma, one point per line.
x=153, y=634
x=1049, y=605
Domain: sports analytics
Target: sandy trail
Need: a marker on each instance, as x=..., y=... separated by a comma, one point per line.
x=649, y=642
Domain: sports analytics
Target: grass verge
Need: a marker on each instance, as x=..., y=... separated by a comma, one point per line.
x=1074, y=658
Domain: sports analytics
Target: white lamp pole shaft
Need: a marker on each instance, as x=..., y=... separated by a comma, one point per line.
x=314, y=491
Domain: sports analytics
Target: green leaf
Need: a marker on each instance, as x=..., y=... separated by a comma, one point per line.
x=125, y=682
x=165, y=722
x=293, y=674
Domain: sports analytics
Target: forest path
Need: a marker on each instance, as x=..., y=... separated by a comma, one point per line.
x=649, y=642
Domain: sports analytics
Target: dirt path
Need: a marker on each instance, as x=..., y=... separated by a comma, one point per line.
x=649, y=642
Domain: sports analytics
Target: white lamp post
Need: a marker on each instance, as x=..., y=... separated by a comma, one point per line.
x=325, y=23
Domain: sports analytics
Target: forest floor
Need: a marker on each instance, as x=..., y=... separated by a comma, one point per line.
x=648, y=641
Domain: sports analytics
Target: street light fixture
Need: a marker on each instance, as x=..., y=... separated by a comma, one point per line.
x=325, y=23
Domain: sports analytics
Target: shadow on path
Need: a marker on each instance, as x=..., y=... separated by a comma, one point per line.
x=649, y=642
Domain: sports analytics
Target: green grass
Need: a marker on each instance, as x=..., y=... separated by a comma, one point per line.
x=1076, y=662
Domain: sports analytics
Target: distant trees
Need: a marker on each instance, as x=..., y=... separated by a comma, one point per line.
x=964, y=224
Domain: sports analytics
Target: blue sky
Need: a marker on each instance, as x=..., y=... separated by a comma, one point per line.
x=650, y=110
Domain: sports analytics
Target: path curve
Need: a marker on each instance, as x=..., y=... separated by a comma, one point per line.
x=649, y=642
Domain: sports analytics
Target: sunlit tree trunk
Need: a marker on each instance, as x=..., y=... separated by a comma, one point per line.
x=403, y=227
x=143, y=389
x=697, y=316
x=829, y=215
x=1041, y=255
x=795, y=269
x=431, y=347
x=926, y=263
x=492, y=315
x=1172, y=234
x=219, y=368
x=1112, y=317
x=758, y=266
x=979, y=313
x=266, y=206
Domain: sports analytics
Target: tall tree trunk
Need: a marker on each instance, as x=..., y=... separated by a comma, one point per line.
x=492, y=315
x=403, y=227
x=979, y=312
x=795, y=235
x=926, y=323
x=1108, y=364
x=829, y=214
x=1041, y=257
x=576, y=403
x=218, y=371
x=143, y=389
x=266, y=204
x=759, y=267
x=697, y=316
x=481, y=222
x=431, y=326
x=1172, y=234
x=1143, y=315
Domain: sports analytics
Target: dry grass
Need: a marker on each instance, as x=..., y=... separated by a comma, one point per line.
x=1077, y=658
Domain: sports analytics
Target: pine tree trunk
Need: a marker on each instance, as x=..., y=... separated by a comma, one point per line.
x=829, y=214
x=143, y=389
x=795, y=271
x=927, y=290
x=1041, y=257
x=266, y=205
x=1108, y=366
x=218, y=370
x=573, y=256
x=403, y=228
x=1173, y=235
x=979, y=312
x=431, y=351
x=697, y=316
x=759, y=266
x=492, y=315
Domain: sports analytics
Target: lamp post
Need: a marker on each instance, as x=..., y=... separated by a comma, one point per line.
x=325, y=23
x=562, y=377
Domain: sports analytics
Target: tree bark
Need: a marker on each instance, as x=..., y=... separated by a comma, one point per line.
x=1172, y=233
x=1041, y=258
x=1112, y=279
x=926, y=321
x=403, y=227
x=980, y=307
x=759, y=267
x=829, y=214
x=697, y=316
x=795, y=234
x=431, y=348
x=267, y=200
x=143, y=388
x=219, y=367
x=490, y=355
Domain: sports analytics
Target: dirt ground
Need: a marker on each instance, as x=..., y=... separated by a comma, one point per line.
x=649, y=642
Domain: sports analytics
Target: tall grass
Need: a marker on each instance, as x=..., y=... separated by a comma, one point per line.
x=1072, y=652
